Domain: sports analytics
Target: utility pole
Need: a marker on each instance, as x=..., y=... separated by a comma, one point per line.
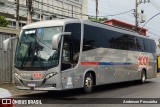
x=63, y=8
x=96, y=9
x=41, y=12
x=136, y=15
x=17, y=14
x=29, y=19
x=136, y=11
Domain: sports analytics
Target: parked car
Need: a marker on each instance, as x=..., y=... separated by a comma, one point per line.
x=5, y=98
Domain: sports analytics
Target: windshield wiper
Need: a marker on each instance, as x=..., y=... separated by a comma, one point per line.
x=26, y=55
x=36, y=49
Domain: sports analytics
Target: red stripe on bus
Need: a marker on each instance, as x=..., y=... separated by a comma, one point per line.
x=89, y=63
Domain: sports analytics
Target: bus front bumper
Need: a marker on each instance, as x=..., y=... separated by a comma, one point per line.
x=38, y=88
x=38, y=85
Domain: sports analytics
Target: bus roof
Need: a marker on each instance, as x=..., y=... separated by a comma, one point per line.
x=62, y=22
x=49, y=23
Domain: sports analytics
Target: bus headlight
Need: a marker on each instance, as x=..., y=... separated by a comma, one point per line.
x=18, y=76
x=51, y=75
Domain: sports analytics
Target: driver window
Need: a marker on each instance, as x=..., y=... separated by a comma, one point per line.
x=66, y=52
x=66, y=55
x=71, y=46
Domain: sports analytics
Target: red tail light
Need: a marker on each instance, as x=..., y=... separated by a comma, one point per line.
x=6, y=102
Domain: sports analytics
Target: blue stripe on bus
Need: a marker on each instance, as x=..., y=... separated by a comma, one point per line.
x=114, y=63
x=105, y=63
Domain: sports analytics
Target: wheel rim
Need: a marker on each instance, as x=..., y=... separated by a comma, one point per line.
x=143, y=77
x=88, y=83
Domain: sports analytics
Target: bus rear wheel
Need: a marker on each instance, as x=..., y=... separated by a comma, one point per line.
x=88, y=83
x=143, y=77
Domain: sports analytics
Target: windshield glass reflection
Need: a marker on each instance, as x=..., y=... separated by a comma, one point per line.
x=34, y=48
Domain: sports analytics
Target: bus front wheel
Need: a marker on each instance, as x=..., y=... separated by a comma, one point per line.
x=88, y=83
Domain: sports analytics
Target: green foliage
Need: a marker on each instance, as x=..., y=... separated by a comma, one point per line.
x=98, y=19
x=3, y=21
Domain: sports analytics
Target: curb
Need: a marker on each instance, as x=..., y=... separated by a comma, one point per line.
x=14, y=91
x=6, y=83
x=27, y=93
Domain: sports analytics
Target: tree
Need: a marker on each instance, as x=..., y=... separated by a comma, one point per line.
x=97, y=19
x=3, y=21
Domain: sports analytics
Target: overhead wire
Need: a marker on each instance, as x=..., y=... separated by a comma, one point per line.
x=152, y=28
x=155, y=4
x=91, y=15
x=149, y=20
x=58, y=8
x=158, y=36
x=119, y=13
x=51, y=6
x=76, y=13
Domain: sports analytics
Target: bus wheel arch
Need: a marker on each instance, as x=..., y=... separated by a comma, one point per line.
x=89, y=81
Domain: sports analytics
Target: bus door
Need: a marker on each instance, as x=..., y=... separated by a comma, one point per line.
x=70, y=57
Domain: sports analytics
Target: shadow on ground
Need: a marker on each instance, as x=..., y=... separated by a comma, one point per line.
x=71, y=94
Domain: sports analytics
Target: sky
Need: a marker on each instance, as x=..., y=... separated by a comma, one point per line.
x=111, y=7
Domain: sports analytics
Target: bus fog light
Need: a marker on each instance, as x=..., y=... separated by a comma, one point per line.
x=18, y=76
x=54, y=85
x=51, y=75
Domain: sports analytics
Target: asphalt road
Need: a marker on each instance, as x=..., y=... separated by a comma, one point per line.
x=101, y=95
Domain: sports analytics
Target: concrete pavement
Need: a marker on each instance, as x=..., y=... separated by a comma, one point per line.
x=15, y=92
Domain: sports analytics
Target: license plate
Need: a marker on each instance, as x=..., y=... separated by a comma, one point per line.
x=31, y=88
x=31, y=84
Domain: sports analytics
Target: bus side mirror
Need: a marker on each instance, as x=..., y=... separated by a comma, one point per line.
x=6, y=42
x=57, y=38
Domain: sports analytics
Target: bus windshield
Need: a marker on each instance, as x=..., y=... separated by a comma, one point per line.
x=34, y=48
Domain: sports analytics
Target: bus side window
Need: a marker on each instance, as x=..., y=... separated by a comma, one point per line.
x=75, y=40
x=139, y=44
x=146, y=45
x=131, y=43
x=152, y=46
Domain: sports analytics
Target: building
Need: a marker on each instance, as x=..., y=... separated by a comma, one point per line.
x=142, y=31
x=43, y=10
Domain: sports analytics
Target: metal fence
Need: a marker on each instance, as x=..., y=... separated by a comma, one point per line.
x=6, y=58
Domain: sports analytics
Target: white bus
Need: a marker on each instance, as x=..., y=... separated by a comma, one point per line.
x=71, y=53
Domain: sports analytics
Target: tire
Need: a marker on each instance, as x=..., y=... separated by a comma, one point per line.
x=88, y=83
x=143, y=77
